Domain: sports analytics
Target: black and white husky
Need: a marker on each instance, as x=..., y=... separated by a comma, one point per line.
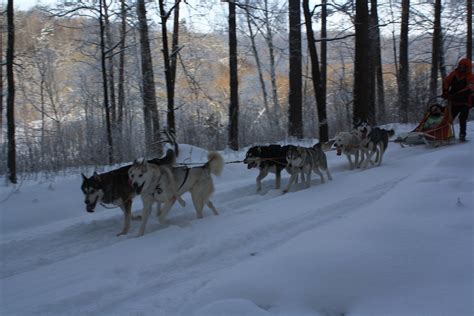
x=306, y=160
x=113, y=187
x=374, y=140
x=166, y=184
x=271, y=158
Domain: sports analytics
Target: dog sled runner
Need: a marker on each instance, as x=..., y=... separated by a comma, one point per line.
x=440, y=134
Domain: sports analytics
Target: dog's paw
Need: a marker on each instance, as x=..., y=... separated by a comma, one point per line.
x=121, y=233
x=137, y=218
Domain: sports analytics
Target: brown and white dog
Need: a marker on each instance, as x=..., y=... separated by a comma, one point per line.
x=166, y=184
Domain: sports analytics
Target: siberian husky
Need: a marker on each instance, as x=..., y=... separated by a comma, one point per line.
x=349, y=144
x=306, y=160
x=113, y=188
x=166, y=184
x=374, y=140
x=267, y=159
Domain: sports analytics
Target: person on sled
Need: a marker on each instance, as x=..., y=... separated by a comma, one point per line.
x=435, y=118
x=458, y=88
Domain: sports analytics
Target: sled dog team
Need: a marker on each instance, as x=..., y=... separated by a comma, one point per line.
x=160, y=180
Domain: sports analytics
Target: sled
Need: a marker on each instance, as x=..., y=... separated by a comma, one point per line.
x=439, y=135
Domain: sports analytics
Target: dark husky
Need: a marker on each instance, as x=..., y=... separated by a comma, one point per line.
x=114, y=187
x=270, y=158
x=374, y=140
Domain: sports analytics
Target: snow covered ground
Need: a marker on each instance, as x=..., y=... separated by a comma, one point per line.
x=392, y=240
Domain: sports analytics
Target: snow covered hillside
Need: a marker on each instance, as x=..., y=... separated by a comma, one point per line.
x=389, y=240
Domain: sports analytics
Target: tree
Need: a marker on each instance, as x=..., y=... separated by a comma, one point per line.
x=150, y=107
x=378, y=95
x=295, y=111
x=108, y=123
x=435, y=50
x=170, y=61
x=361, y=62
x=1, y=78
x=316, y=74
x=234, y=82
x=469, y=30
x=403, y=72
x=10, y=56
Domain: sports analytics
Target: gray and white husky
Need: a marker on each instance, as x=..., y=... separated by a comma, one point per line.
x=165, y=184
x=306, y=160
x=113, y=187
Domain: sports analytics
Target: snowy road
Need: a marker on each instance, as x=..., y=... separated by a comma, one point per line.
x=72, y=263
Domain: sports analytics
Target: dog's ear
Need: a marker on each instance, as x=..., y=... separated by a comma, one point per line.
x=84, y=178
x=96, y=176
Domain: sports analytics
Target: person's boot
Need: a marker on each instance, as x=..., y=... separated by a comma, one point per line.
x=462, y=137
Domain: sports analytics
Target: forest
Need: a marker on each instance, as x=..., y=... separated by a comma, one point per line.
x=94, y=83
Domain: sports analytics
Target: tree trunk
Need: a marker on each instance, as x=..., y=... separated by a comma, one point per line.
x=295, y=111
x=272, y=119
x=166, y=59
x=442, y=63
x=150, y=108
x=174, y=57
x=104, y=83
x=435, y=51
x=234, y=88
x=377, y=64
x=361, y=62
x=1, y=80
x=469, y=30
x=10, y=55
x=111, y=68
x=380, y=109
x=316, y=74
x=271, y=51
x=121, y=70
x=371, y=73
x=403, y=79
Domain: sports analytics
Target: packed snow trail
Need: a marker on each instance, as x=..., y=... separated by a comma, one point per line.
x=76, y=265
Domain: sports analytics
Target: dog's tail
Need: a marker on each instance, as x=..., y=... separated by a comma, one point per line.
x=391, y=132
x=215, y=163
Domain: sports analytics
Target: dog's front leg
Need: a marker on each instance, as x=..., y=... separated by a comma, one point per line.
x=277, y=177
x=294, y=174
x=351, y=166
x=127, y=215
x=165, y=209
x=147, y=205
x=263, y=173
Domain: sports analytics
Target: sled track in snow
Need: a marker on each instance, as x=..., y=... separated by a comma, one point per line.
x=43, y=248
x=202, y=261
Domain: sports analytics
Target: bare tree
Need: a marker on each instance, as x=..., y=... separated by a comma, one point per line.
x=234, y=82
x=121, y=69
x=403, y=75
x=295, y=111
x=252, y=35
x=316, y=75
x=150, y=107
x=10, y=56
x=103, y=58
x=170, y=59
x=435, y=50
x=361, y=62
x=376, y=64
x=469, y=29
